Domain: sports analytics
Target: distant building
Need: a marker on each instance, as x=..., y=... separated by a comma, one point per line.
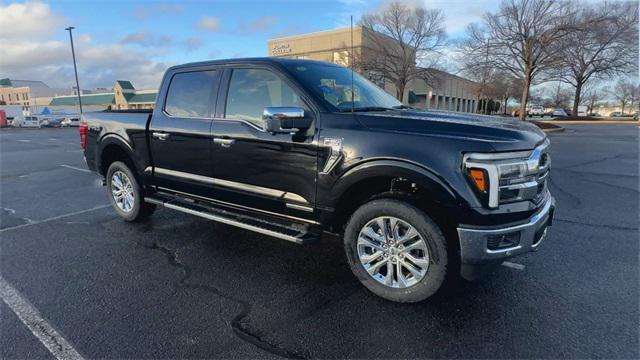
x=27, y=93
x=440, y=90
x=123, y=96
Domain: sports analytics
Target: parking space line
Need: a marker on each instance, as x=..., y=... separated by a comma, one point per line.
x=513, y=265
x=36, y=222
x=76, y=168
x=57, y=345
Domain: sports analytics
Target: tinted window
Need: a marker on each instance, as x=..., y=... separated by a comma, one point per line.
x=333, y=84
x=251, y=90
x=191, y=94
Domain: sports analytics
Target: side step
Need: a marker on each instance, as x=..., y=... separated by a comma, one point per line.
x=298, y=232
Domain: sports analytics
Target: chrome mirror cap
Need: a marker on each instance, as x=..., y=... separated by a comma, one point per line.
x=282, y=112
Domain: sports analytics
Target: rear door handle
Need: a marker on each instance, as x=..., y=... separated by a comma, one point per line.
x=224, y=142
x=160, y=135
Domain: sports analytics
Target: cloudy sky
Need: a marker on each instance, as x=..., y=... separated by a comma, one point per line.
x=138, y=40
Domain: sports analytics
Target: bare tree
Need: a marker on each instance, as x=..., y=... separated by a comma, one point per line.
x=604, y=43
x=525, y=38
x=561, y=96
x=474, y=55
x=504, y=86
x=591, y=98
x=623, y=93
x=403, y=41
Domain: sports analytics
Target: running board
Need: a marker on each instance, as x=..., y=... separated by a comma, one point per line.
x=298, y=233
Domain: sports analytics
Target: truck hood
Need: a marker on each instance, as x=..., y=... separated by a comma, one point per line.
x=503, y=134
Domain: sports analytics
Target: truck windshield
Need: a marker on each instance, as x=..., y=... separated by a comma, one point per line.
x=333, y=84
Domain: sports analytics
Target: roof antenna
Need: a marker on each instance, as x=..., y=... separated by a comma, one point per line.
x=352, y=61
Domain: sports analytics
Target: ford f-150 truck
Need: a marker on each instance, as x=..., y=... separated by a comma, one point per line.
x=296, y=148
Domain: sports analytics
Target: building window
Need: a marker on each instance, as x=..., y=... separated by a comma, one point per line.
x=302, y=57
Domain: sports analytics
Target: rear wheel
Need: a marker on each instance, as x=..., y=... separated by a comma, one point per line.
x=125, y=194
x=396, y=250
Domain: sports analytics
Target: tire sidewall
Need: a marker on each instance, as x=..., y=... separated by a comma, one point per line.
x=137, y=194
x=429, y=231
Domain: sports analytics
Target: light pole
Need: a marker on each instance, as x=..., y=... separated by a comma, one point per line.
x=75, y=68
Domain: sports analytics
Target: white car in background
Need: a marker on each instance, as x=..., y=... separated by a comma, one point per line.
x=559, y=112
x=536, y=110
x=30, y=121
x=68, y=122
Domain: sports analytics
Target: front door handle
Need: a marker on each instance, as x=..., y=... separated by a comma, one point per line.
x=160, y=135
x=224, y=142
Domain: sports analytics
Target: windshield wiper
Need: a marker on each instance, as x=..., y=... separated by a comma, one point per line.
x=368, y=108
x=402, y=107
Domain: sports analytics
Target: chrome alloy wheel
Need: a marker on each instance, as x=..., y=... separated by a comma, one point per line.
x=122, y=191
x=393, y=252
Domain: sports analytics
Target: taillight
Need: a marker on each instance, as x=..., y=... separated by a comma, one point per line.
x=84, y=135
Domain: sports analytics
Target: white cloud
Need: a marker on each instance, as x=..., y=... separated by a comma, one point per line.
x=149, y=11
x=460, y=13
x=258, y=25
x=24, y=21
x=41, y=56
x=208, y=23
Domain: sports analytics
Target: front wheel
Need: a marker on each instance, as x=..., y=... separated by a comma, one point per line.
x=396, y=250
x=125, y=194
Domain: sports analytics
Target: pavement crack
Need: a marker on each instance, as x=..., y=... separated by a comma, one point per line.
x=236, y=323
x=566, y=192
x=590, y=162
x=606, y=226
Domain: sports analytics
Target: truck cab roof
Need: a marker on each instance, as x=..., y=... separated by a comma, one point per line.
x=253, y=60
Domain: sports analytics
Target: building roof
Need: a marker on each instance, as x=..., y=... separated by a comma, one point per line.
x=92, y=99
x=124, y=84
x=142, y=98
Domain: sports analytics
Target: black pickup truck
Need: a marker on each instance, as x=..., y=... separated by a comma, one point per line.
x=296, y=148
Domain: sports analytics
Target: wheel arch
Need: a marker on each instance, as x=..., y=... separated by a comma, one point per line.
x=114, y=148
x=392, y=179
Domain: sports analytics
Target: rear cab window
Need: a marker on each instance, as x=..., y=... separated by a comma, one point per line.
x=191, y=94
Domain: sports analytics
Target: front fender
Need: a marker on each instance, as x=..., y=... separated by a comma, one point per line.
x=441, y=192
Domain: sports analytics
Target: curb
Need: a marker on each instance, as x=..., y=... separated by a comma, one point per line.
x=558, y=129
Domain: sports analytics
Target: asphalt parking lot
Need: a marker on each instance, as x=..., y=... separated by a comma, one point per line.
x=181, y=286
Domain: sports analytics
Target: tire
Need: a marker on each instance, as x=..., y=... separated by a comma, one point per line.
x=363, y=229
x=132, y=207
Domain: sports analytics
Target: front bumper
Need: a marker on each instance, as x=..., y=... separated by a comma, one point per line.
x=486, y=245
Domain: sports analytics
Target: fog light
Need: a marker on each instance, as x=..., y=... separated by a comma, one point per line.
x=503, y=241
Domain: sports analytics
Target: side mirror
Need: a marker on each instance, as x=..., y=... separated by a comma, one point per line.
x=288, y=120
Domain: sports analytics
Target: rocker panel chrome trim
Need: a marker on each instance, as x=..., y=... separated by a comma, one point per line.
x=233, y=185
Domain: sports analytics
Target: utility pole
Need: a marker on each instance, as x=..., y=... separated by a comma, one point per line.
x=75, y=68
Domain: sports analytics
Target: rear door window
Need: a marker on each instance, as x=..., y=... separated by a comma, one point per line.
x=191, y=94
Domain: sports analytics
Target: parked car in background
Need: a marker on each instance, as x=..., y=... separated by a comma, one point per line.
x=29, y=121
x=582, y=111
x=536, y=110
x=52, y=122
x=616, y=114
x=286, y=151
x=68, y=122
x=559, y=112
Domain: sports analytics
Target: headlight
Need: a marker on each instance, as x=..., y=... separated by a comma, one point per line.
x=500, y=178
